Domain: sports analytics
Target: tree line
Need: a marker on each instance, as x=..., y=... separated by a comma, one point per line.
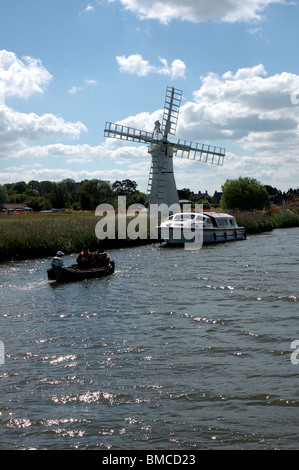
x=68, y=194
x=243, y=193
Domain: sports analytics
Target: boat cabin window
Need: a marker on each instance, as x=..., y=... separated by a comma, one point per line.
x=222, y=222
x=184, y=216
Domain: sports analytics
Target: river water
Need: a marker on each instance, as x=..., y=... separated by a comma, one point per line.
x=178, y=350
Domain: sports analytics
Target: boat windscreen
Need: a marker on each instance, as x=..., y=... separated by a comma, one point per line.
x=184, y=216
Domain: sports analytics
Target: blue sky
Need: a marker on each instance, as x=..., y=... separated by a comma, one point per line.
x=68, y=66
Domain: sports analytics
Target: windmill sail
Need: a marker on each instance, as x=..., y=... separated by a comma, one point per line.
x=127, y=133
x=200, y=152
x=171, y=111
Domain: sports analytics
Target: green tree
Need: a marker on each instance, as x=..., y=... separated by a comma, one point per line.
x=245, y=194
x=33, y=184
x=59, y=195
x=19, y=187
x=71, y=184
x=205, y=203
x=184, y=193
x=14, y=197
x=272, y=190
x=3, y=196
x=124, y=187
x=45, y=187
x=94, y=192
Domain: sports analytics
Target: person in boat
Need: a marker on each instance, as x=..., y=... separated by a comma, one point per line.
x=100, y=258
x=57, y=261
x=84, y=260
x=57, y=264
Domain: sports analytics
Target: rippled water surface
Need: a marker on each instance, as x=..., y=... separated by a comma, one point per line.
x=176, y=350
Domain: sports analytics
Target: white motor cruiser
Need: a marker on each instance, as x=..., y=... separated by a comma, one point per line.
x=211, y=227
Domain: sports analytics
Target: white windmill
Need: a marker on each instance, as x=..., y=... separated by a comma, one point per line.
x=161, y=185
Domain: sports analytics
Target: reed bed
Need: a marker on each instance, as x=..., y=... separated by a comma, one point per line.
x=26, y=236
x=263, y=221
x=29, y=236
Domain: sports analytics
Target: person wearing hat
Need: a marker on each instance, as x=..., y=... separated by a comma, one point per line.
x=57, y=261
x=57, y=264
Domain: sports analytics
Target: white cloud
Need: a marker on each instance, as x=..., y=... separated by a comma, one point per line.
x=19, y=129
x=136, y=65
x=88, y=83
x=178, y=69
x=199, y=10
x=21, y=77
x=252, y=113
x=88, y=9
x=238, y=106
x=82, y=153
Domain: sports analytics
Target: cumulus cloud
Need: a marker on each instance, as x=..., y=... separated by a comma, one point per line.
x=21, y=77
x=247, y=106
x=129, y=162
x=199, y=10
x=18, y=129
x=136, y=65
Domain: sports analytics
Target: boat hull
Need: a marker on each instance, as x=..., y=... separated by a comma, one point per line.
x=73, y=273
x=213, y=235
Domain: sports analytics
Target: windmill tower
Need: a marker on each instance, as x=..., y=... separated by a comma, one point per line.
x=161, y=185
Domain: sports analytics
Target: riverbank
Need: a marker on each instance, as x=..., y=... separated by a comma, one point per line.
x=265, y=221
x=27, y=236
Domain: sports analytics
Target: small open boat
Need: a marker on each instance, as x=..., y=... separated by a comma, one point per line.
x=73, y=273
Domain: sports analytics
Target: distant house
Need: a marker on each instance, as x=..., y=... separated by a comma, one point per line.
x=198, y=196
x=292, y=196
x=276, y=199
x=16, y=208
x=216, y=197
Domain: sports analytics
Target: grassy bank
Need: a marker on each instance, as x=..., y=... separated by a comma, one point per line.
x=28, y=236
